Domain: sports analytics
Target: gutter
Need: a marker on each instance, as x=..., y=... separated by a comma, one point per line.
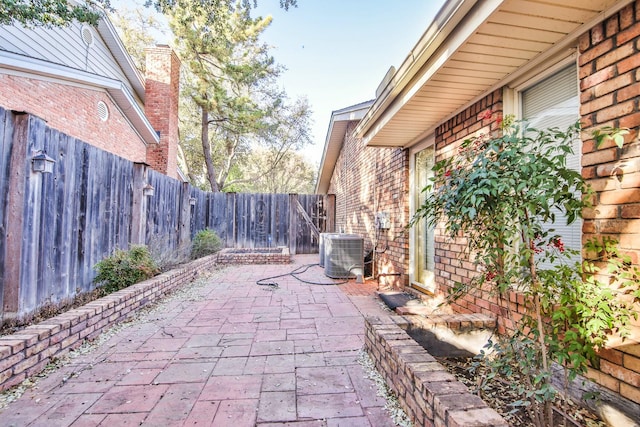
x=110, y=36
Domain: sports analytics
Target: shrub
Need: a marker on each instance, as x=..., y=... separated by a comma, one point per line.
x=502, y=192
x=124, y=268
x=205, y=242
x=166, y=256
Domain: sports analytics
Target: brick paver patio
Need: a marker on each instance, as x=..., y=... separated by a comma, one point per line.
x=225, y=353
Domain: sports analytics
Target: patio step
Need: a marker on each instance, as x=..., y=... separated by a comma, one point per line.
x=457, y=322
x=407, y=305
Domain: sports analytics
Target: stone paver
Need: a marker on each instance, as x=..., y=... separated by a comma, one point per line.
x=230, y=353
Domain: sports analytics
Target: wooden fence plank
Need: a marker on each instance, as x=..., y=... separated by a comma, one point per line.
x=16, y=130
x=6, y=134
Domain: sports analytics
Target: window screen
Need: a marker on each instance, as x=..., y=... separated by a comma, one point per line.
x=551, y=103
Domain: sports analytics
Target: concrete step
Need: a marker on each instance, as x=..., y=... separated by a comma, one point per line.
x=440, y=332
x=456, y=322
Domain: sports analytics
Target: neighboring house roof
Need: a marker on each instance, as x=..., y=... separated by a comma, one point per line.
x=79, y=55
x=333, y=143
x=471, y=49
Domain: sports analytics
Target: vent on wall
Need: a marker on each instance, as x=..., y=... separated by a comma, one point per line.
x=343, y=256
x=87, y=35
x=103, y=111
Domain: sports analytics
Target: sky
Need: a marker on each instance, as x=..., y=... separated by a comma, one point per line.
x=337, y=52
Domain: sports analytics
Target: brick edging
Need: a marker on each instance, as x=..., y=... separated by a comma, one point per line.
x=253, y=256
x=426, y=391
x=27, y=352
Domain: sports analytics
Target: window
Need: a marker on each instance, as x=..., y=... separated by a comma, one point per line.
x=423, y=241
x=554, y=102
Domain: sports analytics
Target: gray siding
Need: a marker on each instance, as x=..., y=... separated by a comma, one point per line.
x=64, y=46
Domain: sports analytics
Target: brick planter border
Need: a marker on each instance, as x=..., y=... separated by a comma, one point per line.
x=254, y=256
x=28, y=351
x=429, y=394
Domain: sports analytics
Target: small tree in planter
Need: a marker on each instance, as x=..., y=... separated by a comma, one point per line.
x=502, y=194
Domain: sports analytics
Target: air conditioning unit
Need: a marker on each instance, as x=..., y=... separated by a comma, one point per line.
x=343, y=256
x=321, y=246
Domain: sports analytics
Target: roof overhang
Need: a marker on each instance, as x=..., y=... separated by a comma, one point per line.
x=471, y=49
x=12, y=63
x=110, y=36
x=335, y=138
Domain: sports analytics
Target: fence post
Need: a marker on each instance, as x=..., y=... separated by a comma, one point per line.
x=231, y=219
x=18, y=168
x=138, y=209
x=293, y=223
x=185, y=215
x=330, y=213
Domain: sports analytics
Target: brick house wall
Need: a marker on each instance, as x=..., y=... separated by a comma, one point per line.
x=73, y=110
x=451, y=265
x=367, y=180
x=609, y=72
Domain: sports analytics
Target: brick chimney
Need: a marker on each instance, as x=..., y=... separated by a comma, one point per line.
x=161, y=107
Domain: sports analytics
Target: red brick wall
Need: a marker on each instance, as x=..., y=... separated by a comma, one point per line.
x=450, y=265
x=367, y=180
x=73, y=110
x=161, y=107
x=610, y=89
x=609, y=71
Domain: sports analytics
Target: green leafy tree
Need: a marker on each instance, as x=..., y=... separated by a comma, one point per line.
x=231, y=78
x=56, y=13
x=50, y=13
x=266, y=171
x=502, y=193
x=225, y=64
x=273, y=164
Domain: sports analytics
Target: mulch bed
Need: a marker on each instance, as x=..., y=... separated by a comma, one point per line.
x=498, y=395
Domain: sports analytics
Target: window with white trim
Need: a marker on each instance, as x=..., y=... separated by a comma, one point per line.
x=422, y=235
x=554, y=102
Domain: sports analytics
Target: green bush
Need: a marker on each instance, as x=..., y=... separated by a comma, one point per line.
x=502, y=193
x=124, y=268
x=205, y=242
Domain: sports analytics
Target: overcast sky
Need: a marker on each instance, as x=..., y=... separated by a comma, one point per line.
x=337, y=51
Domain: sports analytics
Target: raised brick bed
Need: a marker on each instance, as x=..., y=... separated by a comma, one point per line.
x=429, y=394
x=254, y=256
x=27, y=352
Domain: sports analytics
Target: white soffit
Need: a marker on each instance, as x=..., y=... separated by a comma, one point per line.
x=485, y=44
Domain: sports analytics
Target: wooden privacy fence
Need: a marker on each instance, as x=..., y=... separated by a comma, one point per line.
x=54, y=227
x=264, y=220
